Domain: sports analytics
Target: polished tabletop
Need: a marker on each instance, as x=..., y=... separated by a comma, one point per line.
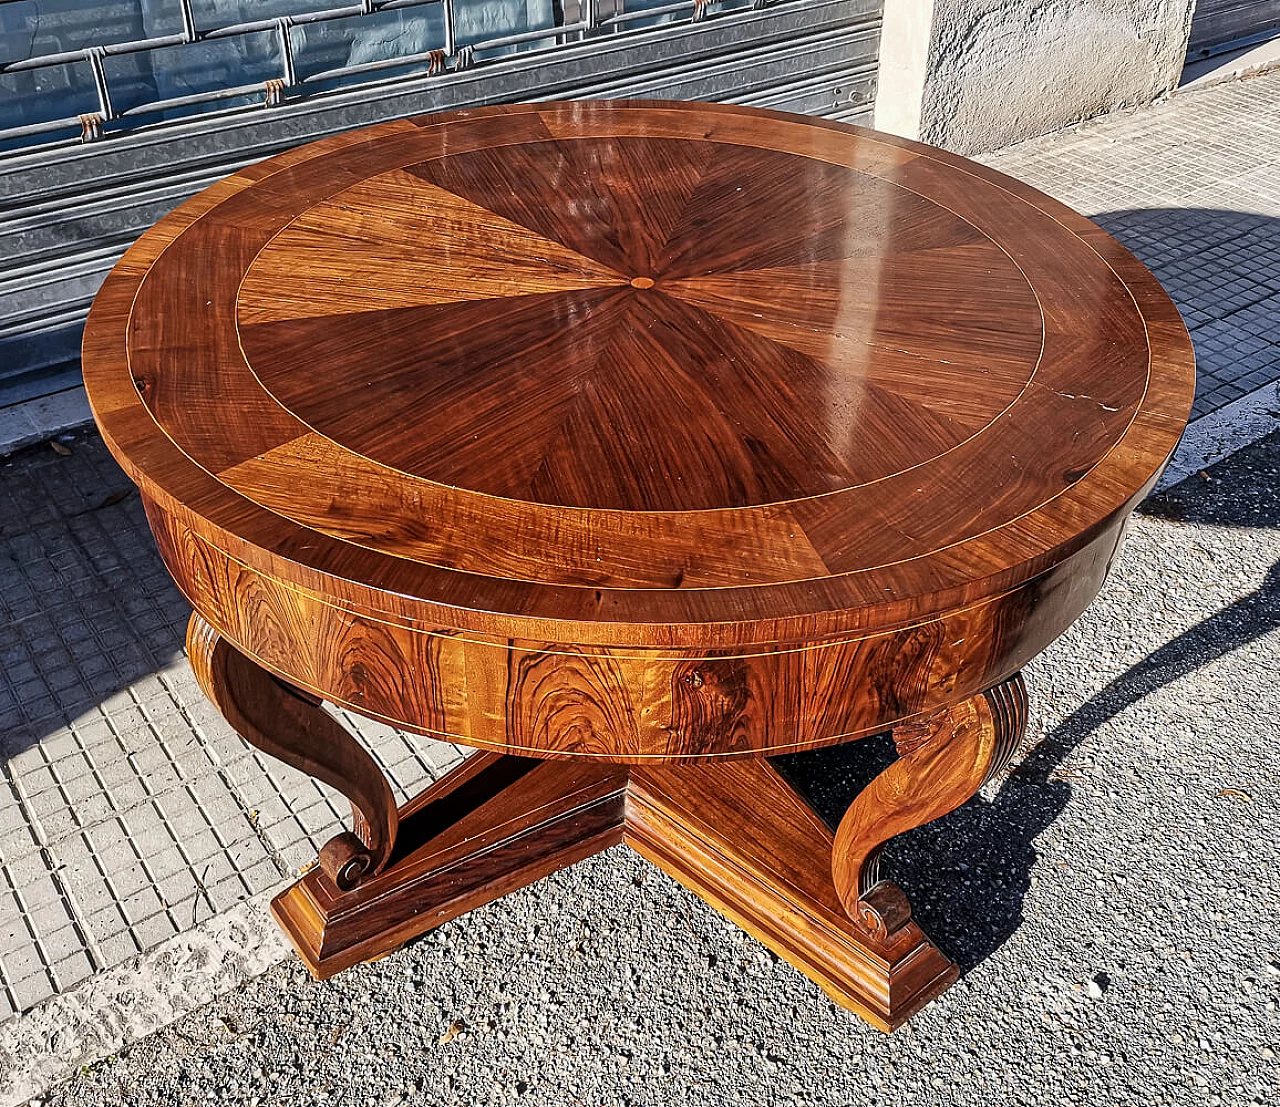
x=638, y=371
x=636, y=444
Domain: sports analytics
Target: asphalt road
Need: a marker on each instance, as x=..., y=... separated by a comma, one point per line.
x=1113, y=903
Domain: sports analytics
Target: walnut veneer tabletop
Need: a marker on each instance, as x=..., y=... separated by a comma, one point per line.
x=666, y=380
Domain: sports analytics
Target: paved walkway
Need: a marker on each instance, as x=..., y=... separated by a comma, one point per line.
x=129, y=814
x=1192, y=187
x=129, y=811
x=1112, y=905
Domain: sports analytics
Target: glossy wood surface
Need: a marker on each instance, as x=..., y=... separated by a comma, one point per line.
x=634, y=443
x=704, y=412
x=942, y=762
x=736, y=833
x=291, y=726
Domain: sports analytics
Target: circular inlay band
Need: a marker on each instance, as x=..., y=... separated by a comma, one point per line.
x=762, y=366
x=639, y=363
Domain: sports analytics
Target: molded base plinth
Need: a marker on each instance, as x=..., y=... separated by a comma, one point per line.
x=735, y=834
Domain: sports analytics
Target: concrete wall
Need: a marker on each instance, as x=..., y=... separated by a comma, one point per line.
x=999, y=71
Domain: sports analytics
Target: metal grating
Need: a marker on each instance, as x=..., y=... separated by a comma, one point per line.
x=1220, y=26
x=291, y=54
x=74, y=192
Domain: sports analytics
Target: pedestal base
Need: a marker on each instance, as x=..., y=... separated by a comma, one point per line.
x=735, y=834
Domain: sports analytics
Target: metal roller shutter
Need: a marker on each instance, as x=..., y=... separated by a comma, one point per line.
x=69, y=208
x=1220, y=25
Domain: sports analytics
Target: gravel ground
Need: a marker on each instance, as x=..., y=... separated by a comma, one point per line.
x=1112, y=902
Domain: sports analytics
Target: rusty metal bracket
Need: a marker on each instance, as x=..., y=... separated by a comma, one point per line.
x=90, y=126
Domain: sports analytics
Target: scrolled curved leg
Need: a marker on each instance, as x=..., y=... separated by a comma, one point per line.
x=942, y=762
x=290, y=725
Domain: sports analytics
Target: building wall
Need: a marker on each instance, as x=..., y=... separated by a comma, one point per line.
x=999, y=71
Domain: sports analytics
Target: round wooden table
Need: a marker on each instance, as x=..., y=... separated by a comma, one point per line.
x=634, y=444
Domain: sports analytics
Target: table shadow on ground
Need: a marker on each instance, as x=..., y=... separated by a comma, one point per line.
x=87, y=610
x=968, y=873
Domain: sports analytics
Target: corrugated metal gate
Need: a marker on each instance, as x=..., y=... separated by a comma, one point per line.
x=99, y=140
x=1220, y=25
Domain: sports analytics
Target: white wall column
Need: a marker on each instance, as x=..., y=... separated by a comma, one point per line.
x=904, y=63
x=973, y=75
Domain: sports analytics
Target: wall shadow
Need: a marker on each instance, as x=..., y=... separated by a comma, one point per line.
x=1218, y=266
x=87, y=610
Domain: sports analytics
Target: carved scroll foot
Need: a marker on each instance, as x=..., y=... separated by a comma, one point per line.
x=942, y=762
x=290, y=725
x=733, y=832
x=487, y=828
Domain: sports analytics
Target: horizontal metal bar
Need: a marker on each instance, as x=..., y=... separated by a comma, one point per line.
x=716, y=79
x=42, y=61
x=153, y=106
x=348, y=12
x=586, y=65
x=106, y=197
x=529, y=36
x=68, y=57
x=20, y=277
x=396, y=5
x=149, y=108
x=231, y=30
x=234, y=30
x=368, y=67
x=34, y=324
x=1197, y=52
x=648, y=13
x=40, y=128
x=139, y=45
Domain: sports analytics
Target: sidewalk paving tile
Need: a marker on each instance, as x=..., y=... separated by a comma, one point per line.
x=128, y=810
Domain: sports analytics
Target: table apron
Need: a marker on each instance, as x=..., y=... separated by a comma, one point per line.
x=626, y=704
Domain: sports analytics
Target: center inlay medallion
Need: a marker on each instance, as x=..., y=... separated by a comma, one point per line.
x=504, y=275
